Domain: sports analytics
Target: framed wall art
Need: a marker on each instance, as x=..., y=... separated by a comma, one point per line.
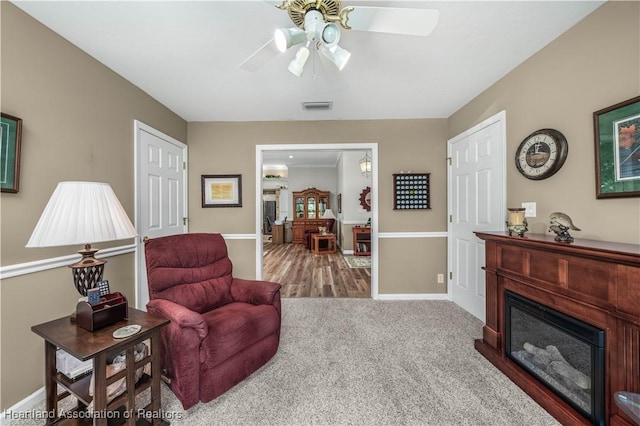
x=11, y=135
x=617, y=143
x=221, y=190
x=411, y=191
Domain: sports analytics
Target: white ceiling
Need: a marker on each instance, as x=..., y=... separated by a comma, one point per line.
x=301, y=158
x=186, y=54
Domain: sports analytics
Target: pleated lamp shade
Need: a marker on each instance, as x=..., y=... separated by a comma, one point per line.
x=329, y=220
x=82, y=213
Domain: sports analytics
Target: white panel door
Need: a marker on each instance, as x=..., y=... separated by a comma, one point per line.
x=477, y=194
x=161, y=194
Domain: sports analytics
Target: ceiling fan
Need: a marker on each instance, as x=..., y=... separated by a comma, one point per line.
x=316, y=25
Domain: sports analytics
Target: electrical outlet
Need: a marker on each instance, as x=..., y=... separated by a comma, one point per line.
x=530, y=209
x=440, y=278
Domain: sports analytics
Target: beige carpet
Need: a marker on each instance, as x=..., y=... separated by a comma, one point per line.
x=367, y=362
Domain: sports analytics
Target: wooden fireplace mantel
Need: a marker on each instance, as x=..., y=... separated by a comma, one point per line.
x=594, y=281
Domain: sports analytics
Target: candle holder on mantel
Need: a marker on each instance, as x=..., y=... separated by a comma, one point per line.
x=516, y=222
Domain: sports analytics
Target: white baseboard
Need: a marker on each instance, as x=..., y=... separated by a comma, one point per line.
x=423, y=296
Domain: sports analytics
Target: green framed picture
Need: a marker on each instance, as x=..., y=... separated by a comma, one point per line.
x=617, y=143
x=11, y=135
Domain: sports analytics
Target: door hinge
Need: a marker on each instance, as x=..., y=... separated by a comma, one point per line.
x=450, y=275
x=184, y=165
x=450, y=218
x=184, y=221
x=449, y=160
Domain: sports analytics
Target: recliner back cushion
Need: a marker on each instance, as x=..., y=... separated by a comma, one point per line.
x=192, y=270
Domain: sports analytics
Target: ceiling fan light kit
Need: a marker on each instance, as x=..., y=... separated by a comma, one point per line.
x=337, y=55
x=287, y=37
x=325, y=34
x=330, y=34
x=296, y=67
x=317, y=22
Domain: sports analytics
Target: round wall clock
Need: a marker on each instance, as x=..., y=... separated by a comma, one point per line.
x=541, y=154
x=365, y=199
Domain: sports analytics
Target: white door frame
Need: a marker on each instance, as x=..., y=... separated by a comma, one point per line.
x=140, y=126
x=497, y=118
x=373, y=147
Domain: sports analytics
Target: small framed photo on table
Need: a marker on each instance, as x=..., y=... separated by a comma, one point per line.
x=221, y=190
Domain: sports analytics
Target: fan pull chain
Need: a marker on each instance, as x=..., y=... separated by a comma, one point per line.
x=313, y=61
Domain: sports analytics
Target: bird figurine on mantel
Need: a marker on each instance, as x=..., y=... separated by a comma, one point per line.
x=561, y=223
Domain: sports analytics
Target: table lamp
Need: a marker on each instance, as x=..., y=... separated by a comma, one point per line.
x=82, y=213
x=329, y=220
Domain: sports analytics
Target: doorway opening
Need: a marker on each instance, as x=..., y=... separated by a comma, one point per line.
x=263, y=151
x=270, y=212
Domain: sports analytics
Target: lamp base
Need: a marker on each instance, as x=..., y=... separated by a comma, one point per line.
x=328, y=224
x=88, y=271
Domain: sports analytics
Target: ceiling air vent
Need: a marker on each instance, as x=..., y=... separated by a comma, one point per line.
x=317, y=106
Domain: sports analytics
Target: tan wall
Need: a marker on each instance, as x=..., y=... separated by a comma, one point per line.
x=77, y=125
x=594, y=65
x=416, y=145
x=411, y=265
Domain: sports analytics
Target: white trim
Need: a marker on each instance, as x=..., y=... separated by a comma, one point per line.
x=423, y=296
x=442, y=234
x=352, y=222
x=373, y=147
x=10, y=271
x=240, y=237
x=26, y=405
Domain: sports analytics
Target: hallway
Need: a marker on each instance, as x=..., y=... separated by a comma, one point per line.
x=304, y=274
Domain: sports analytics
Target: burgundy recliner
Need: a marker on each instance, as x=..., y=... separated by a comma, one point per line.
x=222, y=328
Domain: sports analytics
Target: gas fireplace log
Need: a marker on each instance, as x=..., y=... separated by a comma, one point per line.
x=552, y=360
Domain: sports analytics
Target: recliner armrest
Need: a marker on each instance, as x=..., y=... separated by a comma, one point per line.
x=180, y=315
x=253, y=291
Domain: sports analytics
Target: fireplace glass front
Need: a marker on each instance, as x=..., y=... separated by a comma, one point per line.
x=565, y=354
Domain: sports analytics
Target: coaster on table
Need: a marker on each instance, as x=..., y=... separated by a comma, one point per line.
x=126, y=331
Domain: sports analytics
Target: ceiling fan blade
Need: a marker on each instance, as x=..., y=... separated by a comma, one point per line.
x=274, y=3
x=418, y=22
x=260, y=56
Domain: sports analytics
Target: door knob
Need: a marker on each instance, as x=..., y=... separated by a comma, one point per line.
x=145, y=239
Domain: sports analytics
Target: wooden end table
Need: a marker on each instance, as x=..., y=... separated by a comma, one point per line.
x=323, y=243
x=98, y=346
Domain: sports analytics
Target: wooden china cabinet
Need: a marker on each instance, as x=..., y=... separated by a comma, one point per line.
x=308, y=206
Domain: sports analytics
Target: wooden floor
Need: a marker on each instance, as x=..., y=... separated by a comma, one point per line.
x=304, y=274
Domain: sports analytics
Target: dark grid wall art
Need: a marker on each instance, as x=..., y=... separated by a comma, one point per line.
x=411, y=191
